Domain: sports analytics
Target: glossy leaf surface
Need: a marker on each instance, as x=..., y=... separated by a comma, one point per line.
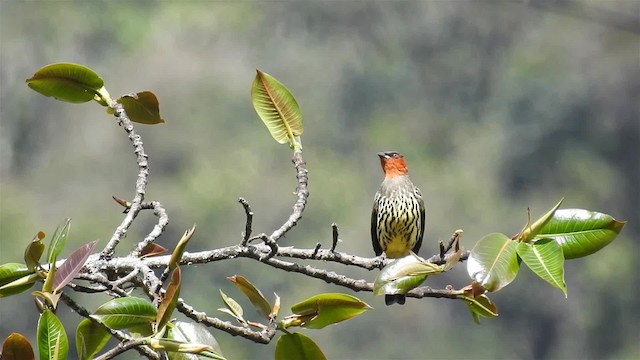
x=58, y=240
x=66, y=82
x=72, y=265
x=255, y=296
x=545, y=259
x=34, y=251
x=17, y=347
x=326, y=309
x=142, y=107
x=168, y=303
x=404, y=274
x=52, y=339
x=493, y=262
x=581, y=232
x=90, y=339
x=195, y=334
x=126, y=313
x=297, y=346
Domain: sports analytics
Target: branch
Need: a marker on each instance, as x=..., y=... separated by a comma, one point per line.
x=302, y=194
x=158, y=229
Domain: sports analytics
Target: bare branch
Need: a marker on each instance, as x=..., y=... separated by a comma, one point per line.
x=302, y=194
x=158, y=229
x=248, y=224
x=334, y=231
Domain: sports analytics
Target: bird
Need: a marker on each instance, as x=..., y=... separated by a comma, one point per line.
x=398, y=215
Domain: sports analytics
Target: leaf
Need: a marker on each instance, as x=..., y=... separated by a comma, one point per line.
x=255, y=296
x=19, y=285
x=152, y=249
x=530, y=231
x=58, y=240
x=52, y=339
x=480, y=306
x=493, y=262
x=234, y=308
x=170, y=346
x=176, y=255
x=17, y=347
x=581, y=232
x=50, y=299
x=168, y=303
x=278, y=109
x=142, y=107
x=34, y=251
x=326, y=309
x=404, y=274
x=67, y=82
x=72, y=265
x=10, y=272
x=297, y=346
x=91, y=337
x=194, y=334
x=126, y=313
x=545, y=259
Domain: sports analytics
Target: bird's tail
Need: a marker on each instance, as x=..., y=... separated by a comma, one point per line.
x=394, y=298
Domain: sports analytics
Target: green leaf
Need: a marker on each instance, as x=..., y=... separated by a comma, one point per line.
x=255, y=296
x=581, y=232
x=297, y=346
x=17, y=347
x=233, y=308
x=34, y=251
x=193, y=333
x=170, y=345
x=545, y=259
x=493, y=262
x=168, y=303
x=530, y=231
x=321, y=310
x=404, y=274
x=67, y=82
x=278, y=109
x=52, y=339
x=91, y=337
x=127, y=313
x=72, y=265
x=480, y=306
x=58, y=240
x=18, y=285
x=176, y=255
x=142, y=107
x=13, y=271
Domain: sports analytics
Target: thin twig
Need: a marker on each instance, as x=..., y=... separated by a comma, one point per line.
x=158, y=229
x=302, y=194
x=334, y=231
x=248, y=224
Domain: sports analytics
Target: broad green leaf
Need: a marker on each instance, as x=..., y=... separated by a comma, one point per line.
x=480, y=306
x=493, y=262
x=581, y=232
x=176, y=255
x=168, y=303
x=404, y=274
x=321, y=310
x=67, y=82
x=545, y=259
x=52, y=339
x=34, y=251
x=234, y=308
x=255, y=296
x=72, y=265
x=126, y=313
x=194, y=334
x=90, y=339
x=530, y=231
x=278, y=109
x=17, y=347
x=58, y=240
x=297, y=346
x=10, y=272
x=142, y=107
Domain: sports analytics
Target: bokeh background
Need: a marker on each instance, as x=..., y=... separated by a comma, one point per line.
x=497, y=106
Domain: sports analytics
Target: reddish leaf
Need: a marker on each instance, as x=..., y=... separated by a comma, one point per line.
x=17, y=347
x=72, y=266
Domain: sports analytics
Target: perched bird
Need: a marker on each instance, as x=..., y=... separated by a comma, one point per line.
x=397, y=219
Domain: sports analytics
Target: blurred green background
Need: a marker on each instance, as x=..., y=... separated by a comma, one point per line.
x=497, y=106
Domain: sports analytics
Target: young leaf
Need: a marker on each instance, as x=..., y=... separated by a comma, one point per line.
x=194, y=334
x=493, y=262
x=13, y=271
x=52, y=339
x=174, y=346
x=126, y=313
x=67, y=82
x=152, y=249
x=168, y=303
x=297, y=346
x=72, y=266
x=480, y=306
x=142, y=107
x=404, y=274
x=255, y=296
x=17, y=347
x=326, y=309
x=58, y=240
x=34, y=250
x=278, y=109
x=581, y=232
x=91, y=337
x=233, y=306
x=530, y=231
x=179, y=249
x=545, y=259
x=18, y=285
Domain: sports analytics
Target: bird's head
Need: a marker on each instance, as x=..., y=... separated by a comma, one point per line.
x=393, y=164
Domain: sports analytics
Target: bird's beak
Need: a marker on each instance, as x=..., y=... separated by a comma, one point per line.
x=383, y=155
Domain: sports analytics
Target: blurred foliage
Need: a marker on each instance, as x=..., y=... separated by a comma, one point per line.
x=496, y=106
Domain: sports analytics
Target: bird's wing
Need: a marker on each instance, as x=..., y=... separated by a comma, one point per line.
x=374, y=228
x=416, y=248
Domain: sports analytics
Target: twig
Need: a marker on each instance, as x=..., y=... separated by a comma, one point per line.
x=334, y=243
x=302, y=194
x=316, y=249
x=141, y=182
x=247, y=227
x=158, y=229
